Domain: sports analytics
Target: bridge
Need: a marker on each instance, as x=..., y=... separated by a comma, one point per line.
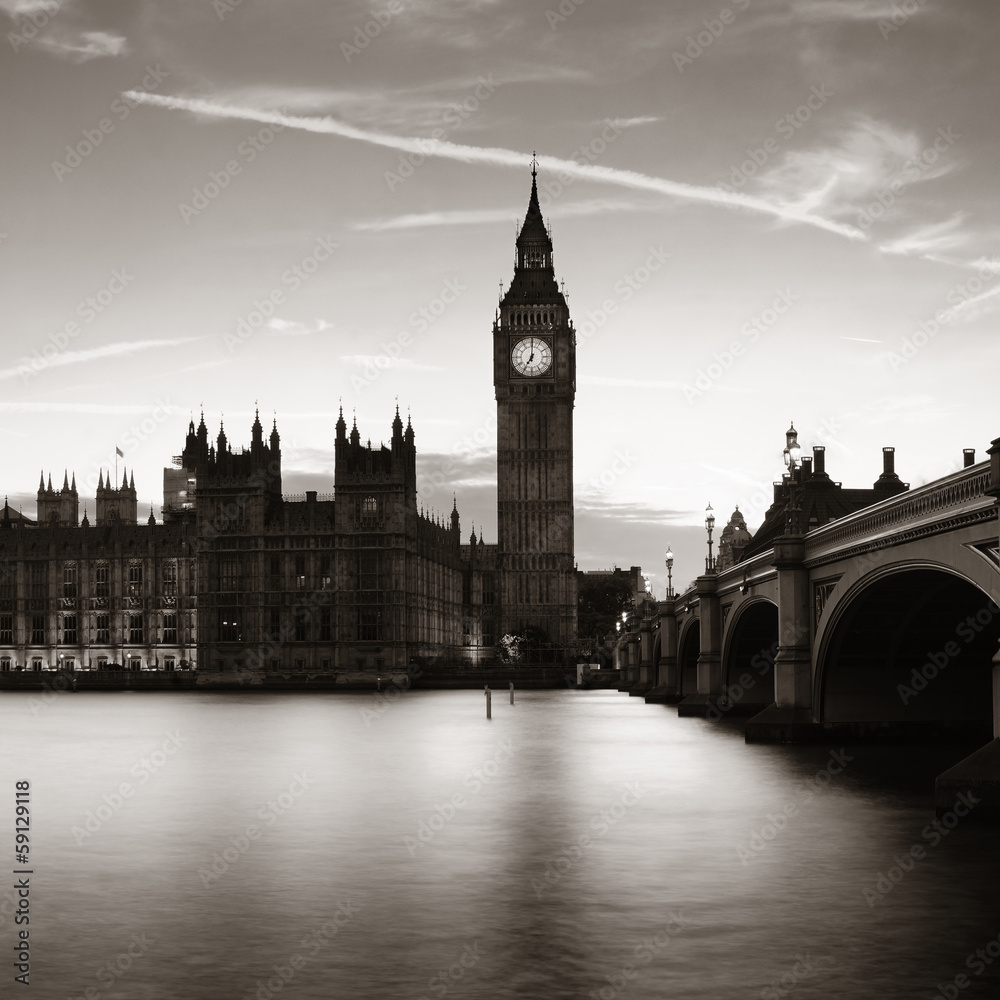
x=880, y=624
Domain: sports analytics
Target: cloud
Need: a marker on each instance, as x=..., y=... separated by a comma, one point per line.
x=929, y=238
x=488, y=216
x=100, y=408
x=503, y=157
x=871, y=165
x=27, y=370
x=383, y=361
x=842, y=10
x=87, y=45
x=292, y=328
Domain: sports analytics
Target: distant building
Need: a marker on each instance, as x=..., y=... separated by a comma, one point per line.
x=240, y=577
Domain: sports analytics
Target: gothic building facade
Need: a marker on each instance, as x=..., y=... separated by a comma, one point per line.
x=239, y=577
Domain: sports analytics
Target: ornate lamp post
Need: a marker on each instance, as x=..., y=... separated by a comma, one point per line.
x=792, y=455
x=709, y=525
x=670, y=572
x=792, y=452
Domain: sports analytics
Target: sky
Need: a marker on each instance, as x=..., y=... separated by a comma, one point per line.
x=763, y=211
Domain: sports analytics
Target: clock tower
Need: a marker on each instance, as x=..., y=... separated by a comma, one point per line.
x=534, y=373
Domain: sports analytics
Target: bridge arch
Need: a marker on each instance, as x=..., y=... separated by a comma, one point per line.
x=749, y=647
x=912, y=642
x=689, y=648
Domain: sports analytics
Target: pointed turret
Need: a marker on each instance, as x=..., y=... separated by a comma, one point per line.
x=256, y=433
x=275, y=437
x=41, y=482
x=221, y=440
x=72, y=485
x=341, y=425
x=100, y=479
x=355, y=436
x=85, y=523
x=65, y=485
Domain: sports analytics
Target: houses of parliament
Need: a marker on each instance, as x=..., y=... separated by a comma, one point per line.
x=239, y=577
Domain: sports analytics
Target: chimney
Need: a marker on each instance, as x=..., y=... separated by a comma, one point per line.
x=807, y=469
x=969, y=456
x=311, y=496
x=888, y=462
x=819, y=460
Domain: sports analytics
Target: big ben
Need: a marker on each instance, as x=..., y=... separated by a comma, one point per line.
x=534, y=373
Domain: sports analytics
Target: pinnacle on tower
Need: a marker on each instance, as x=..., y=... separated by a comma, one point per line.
x=65, y=485
x=41, y=482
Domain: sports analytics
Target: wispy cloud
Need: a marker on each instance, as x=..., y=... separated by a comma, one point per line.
x=503, y=157
x=844, y=179
x=382, y=361
x=27, y=370
x=293, y=328
x=931, y=238
x=841, y=10
x=123, y=409
x=477, y=216
x=84, y=46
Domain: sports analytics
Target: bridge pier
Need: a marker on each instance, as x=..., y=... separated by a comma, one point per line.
x=978, y=775
x=790, y=719
x=710, y=655
x=645, y=671
x=667, y=671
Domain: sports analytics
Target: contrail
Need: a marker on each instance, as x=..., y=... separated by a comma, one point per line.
x=499, y=157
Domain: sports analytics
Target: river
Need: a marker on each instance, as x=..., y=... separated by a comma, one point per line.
x=578, y=844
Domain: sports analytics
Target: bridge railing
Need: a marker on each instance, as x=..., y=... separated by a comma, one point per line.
x=965, y=489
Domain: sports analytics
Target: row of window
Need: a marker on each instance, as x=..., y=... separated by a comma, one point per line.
x=99, y=663
x=134, y=629
x=37, y=573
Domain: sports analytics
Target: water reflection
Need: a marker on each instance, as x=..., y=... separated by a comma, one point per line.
x=578, y=844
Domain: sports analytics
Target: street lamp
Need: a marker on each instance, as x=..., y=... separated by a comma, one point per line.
x=791, y=456
x=670, y=571
x=792, y=452
x=709, y=524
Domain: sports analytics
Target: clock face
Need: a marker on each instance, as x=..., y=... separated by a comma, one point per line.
x=531, y=356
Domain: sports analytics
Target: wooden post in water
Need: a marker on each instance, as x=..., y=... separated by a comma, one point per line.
x=489, y=698
x=512, y=692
